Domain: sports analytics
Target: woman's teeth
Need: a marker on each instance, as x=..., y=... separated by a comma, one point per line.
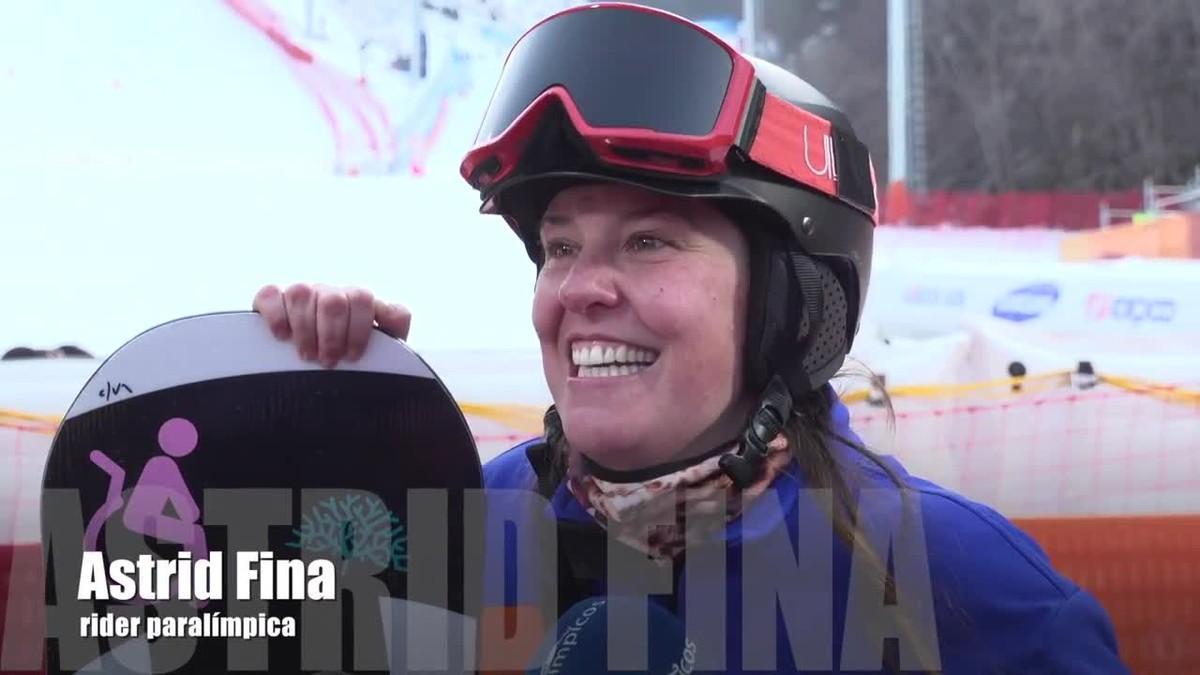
x=610, y=360
x=610, y=371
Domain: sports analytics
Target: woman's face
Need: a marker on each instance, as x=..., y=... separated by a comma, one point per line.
x=640, y=309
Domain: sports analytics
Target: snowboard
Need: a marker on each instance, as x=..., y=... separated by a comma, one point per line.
x=213, y=503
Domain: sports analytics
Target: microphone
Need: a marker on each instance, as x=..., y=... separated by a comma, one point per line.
x=580, y=643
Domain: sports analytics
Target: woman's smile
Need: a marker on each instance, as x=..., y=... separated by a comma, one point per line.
x=606, y=359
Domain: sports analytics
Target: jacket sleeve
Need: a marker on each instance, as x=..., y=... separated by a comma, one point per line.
x=1004, y=608
x=1079, y=640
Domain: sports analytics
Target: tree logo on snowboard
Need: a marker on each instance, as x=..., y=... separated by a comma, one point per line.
x=355, y=527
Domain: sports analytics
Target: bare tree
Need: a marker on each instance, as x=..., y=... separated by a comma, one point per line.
x=843, y=53
x=1020, y=94
x=1088, y=94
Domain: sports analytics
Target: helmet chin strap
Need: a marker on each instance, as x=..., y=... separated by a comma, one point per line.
x=554, y=436
x=650, y=472
x=744, y=465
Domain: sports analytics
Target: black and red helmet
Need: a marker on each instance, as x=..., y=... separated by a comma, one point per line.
x=629, y=94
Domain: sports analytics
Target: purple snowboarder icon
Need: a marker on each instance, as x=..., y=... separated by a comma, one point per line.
x=160, y=484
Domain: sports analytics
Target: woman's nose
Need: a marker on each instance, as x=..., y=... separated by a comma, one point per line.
x=588, y=285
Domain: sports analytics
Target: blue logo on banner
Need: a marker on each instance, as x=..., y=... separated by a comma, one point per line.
x=1027, y=302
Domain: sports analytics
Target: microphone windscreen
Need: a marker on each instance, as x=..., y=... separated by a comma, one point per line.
x=601, y=635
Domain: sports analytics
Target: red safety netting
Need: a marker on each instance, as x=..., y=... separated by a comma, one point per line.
x=1106, y=478
x=1103, y=451
x=1058, y=210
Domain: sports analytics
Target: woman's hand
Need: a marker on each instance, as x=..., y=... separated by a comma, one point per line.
x=327, y=323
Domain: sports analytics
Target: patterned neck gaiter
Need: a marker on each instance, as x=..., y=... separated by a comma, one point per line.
x=662, y=516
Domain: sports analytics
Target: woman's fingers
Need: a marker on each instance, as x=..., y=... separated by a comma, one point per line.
x=300, y=302
x=333, y=314
x=329, y=324
x=269, y=303
x=361, y=320
x=395, y=320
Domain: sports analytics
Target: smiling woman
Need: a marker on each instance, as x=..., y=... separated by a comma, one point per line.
x=662, y=282
x=702, y=227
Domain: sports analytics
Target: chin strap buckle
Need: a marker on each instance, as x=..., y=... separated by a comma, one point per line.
x=745, y=465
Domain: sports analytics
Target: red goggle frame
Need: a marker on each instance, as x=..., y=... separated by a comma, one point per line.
x=760, y=126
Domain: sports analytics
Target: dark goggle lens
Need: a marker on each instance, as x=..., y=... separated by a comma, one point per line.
x=622, y=67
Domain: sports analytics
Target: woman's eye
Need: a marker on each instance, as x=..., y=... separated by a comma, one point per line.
x=645, y=242
x=556, y=249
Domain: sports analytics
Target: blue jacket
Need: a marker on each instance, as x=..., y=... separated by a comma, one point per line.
x=998, y=604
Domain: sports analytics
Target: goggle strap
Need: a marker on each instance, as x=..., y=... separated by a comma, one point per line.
x=808, y=149
x=753, y=116
x=856, y=182
x=796, y=143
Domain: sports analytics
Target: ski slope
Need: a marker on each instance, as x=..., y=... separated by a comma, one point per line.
x=162, y=161
x=148, y=84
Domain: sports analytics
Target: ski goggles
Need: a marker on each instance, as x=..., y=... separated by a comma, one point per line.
x=649, y=91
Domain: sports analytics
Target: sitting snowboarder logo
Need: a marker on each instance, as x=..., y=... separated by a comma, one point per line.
x=160, y=484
